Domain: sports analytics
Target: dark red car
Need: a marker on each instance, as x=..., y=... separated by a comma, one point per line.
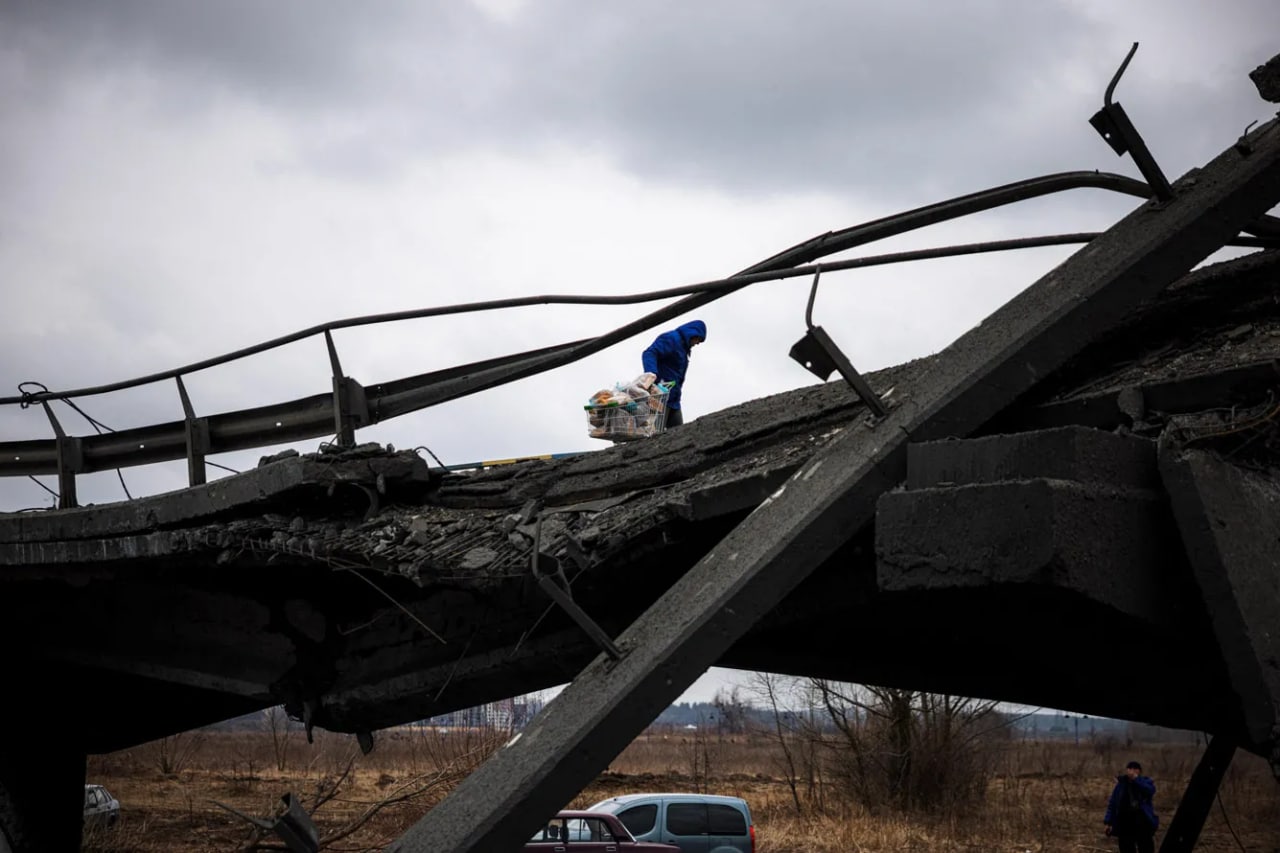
x=582, y=832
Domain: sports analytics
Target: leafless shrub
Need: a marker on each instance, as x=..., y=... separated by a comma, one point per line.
x=1105, y=747
x=171, y=755
x=458, y=758
x=275, y=721
x=908, y=750
x=701, y=753
x=129, y=834
x=797, y=753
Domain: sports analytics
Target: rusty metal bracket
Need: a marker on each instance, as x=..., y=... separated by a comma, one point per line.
x=545, y=567
x=70, y=459
x=196, y=431
x=818, y=353
x=350, y=403
x=1113, y=123
x=293, y=825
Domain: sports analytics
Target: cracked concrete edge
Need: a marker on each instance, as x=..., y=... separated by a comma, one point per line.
x=1099, y=541
x=184, y=506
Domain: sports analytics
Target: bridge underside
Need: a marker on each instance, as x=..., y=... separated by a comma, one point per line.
x=364, y=590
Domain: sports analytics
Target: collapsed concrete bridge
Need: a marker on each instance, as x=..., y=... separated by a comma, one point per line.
x=1100, y=457
x=365, y=589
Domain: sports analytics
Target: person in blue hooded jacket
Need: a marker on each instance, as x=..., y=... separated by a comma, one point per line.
x=1131, y=816
x=668, y=357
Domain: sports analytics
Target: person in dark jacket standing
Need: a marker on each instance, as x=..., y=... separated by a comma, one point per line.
x=668, y=357
x=1131, y=816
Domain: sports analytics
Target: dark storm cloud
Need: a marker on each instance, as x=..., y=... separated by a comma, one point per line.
x=850, y=96
x=373, y=77
x=279, y=51
x=746, y=96
x=785, y=96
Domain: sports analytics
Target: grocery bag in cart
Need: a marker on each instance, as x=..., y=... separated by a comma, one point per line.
x=637, y=409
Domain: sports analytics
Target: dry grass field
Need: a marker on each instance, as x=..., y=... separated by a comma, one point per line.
x=1043, y=796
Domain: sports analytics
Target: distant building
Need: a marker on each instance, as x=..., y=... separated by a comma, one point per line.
x=505, y=714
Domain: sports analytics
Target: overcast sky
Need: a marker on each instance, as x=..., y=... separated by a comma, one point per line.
x=180, y=179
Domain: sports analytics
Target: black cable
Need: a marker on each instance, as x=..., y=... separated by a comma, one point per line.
x=26, y=397
x=1227, y=821
x=120, y=474
x=428, y=449
x=32, y=478
x=98, y=427
x=93, y=422
x=1222, y=807
x=223, y=467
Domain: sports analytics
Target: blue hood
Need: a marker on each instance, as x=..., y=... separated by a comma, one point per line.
x=693, y=329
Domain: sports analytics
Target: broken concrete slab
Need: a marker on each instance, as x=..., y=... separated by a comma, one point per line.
x=1072, y=509
x=382, y=472
x=1073, y=453
x=1229, y=520
x=1096, y=541
x=1267, y=78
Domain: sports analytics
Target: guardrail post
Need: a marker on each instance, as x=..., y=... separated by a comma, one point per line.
x=1113, y=124
x=350, y=405
x=818, y=353
x=197, y=435
x=70, y=460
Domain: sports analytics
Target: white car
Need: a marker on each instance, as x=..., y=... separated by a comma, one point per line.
x=696, y=823
x=100, y=808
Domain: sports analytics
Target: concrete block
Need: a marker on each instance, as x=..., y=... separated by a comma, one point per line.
x=1072, y=453
x=1101, y=543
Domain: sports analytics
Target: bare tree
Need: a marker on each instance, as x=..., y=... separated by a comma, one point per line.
x=701, y=752
x=772, y=689
x=276, y=722
x=172, y=754
x=731, y=711
x=907, y=749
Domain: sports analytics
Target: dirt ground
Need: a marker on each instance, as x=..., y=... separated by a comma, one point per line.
x=178, y=795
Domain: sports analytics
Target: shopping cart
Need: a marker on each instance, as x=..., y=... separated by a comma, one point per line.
x=628, y=416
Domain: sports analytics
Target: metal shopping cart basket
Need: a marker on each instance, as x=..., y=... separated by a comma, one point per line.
x=627, y=417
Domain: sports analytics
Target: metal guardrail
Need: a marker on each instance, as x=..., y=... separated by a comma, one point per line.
x=350, y=405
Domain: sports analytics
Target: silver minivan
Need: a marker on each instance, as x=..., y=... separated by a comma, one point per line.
x=696, y=823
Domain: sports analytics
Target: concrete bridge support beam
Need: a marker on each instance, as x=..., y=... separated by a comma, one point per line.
x=1229, y=520
x=1193, y=808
